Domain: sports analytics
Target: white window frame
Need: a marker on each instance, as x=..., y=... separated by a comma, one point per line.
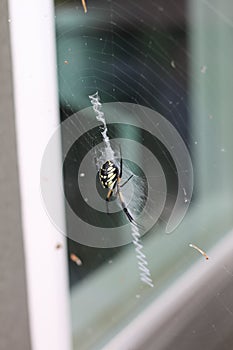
x=37, y=115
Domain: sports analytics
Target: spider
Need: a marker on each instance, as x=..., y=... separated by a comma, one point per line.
x=110, y=177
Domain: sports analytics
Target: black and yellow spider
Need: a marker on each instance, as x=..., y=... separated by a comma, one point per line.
x=110, y=177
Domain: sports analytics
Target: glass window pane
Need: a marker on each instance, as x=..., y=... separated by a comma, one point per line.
x=173, y=59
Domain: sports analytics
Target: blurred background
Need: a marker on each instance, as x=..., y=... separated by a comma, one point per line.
x=174, y=57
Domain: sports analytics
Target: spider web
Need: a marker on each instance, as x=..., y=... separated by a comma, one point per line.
x=123, y=60
x=117, y=52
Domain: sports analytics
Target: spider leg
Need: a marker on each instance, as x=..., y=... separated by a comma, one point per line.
x=126, y=181
x=121, y=163
x=127, y=213
x=110, y=192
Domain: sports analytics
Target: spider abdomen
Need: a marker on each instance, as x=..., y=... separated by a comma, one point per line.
x=108, y=174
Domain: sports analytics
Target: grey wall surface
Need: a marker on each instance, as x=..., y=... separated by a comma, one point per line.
x=14, y=325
